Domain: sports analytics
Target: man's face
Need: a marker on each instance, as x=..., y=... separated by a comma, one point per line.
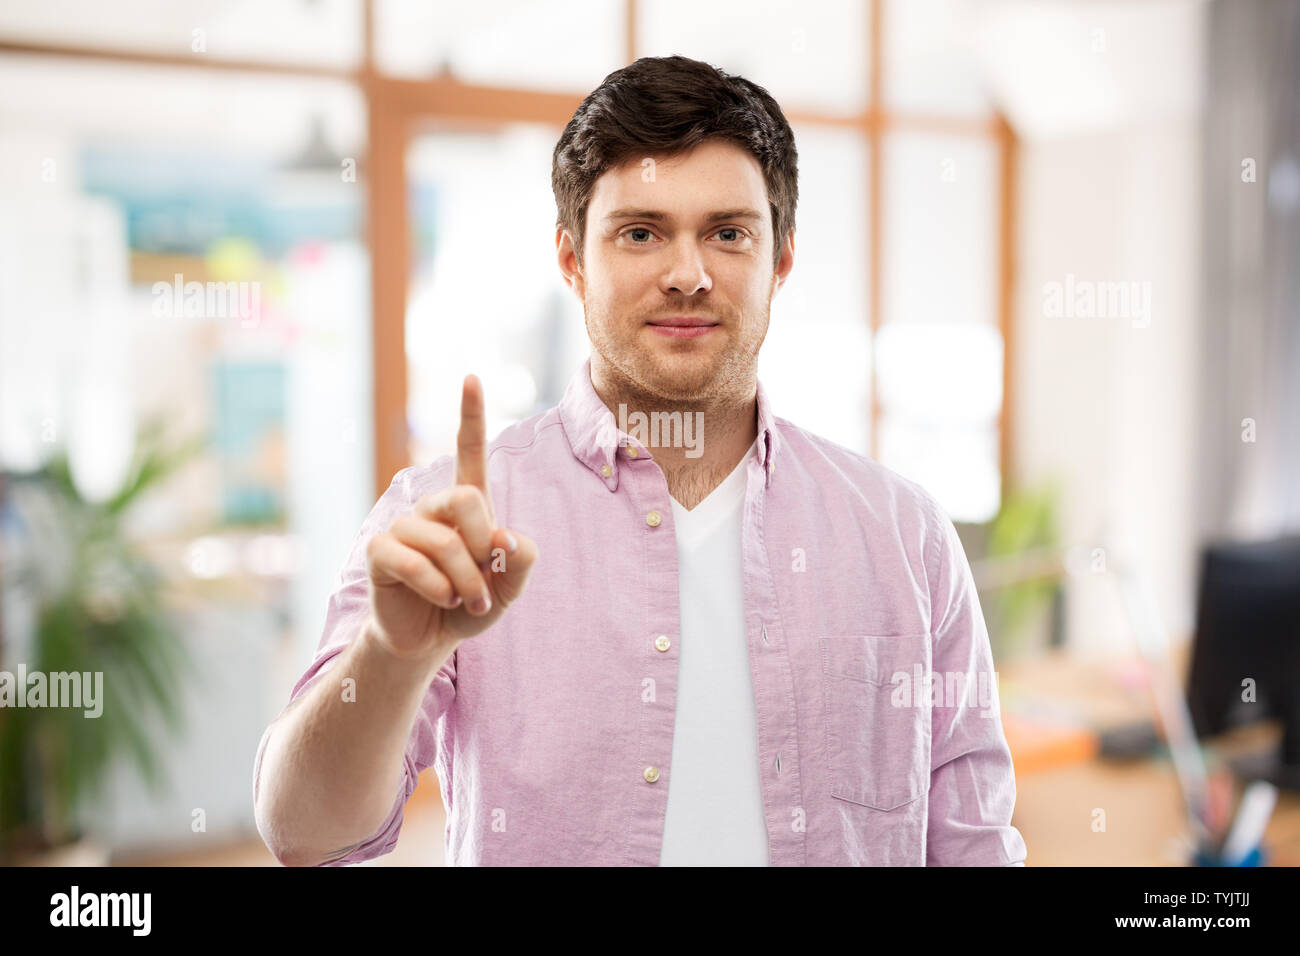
x=687, y=237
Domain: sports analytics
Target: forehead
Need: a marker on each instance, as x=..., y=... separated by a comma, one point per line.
x=714, y=175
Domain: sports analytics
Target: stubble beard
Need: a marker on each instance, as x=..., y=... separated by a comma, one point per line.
x=644, y=378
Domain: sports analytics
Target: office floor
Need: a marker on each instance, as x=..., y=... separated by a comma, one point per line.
x=1061, y=785
x=1145, y=820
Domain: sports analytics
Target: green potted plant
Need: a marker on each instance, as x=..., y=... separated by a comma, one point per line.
x=1025, y=524
x=98, y=606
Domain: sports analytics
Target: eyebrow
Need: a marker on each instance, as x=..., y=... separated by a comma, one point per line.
x=657, y=216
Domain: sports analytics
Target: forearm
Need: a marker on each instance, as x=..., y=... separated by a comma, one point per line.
x=331, y=762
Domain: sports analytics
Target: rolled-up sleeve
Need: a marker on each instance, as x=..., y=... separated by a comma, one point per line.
x=346, y=612
x=972, y=782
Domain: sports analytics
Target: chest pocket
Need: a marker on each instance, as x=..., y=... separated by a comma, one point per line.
x=878, y=751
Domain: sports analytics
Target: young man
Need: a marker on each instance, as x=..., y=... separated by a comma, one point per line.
x=735, y=644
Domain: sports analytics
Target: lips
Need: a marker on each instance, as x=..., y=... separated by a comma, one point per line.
x=682, y=322
x=683, y=328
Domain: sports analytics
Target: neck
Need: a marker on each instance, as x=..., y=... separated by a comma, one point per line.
x=695, y=442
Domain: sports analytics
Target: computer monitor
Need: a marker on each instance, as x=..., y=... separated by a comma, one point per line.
x=1248, y=629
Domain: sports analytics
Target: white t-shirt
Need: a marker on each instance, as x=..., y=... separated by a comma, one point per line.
x=715, y=806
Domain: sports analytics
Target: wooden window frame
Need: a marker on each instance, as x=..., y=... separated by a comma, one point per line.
x=398, y=108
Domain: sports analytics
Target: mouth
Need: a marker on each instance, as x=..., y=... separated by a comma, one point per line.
x=683, y=327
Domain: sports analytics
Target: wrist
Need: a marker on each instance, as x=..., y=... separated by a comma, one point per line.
x=376, y=645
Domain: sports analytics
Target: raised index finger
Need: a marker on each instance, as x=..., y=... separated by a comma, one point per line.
x=471, y=441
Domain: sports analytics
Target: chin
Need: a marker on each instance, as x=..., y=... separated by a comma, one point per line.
x=680, y=377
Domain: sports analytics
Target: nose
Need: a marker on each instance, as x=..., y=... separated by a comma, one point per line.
x=684, y=272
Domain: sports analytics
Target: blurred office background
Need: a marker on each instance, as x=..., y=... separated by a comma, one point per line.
x=1045, y=267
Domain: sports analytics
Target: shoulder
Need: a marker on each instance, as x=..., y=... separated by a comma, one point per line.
x=839, y=470
x=890, y=507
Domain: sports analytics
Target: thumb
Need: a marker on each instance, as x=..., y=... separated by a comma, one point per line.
x=509, y=569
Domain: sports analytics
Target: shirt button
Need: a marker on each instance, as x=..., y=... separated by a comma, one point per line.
x=653, y=519
x=631, y=451
x=604, y=470
x=651, y=774
x=771, y=467
x=662, y=642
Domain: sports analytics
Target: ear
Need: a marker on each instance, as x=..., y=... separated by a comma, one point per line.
x=567, y=258
x=784, y=264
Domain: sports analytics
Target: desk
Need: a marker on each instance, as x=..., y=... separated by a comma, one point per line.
x=1145, y=815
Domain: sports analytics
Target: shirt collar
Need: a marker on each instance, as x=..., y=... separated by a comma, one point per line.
x=595, y=438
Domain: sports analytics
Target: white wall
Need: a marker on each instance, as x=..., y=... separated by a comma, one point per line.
x=1103, y=404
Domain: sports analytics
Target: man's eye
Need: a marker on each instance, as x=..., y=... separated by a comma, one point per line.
x=641, y=236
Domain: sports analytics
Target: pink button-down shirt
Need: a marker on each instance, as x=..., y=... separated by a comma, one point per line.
x=552, y=732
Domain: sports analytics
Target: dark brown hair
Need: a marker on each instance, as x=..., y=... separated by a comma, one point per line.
x=669, y=105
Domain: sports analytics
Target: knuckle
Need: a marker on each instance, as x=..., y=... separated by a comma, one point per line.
x=437, y=585
x=410, y=566
x=446, y=543
x=427, y=581
x=430, y=502
x=439, y=535
x=377, y=547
